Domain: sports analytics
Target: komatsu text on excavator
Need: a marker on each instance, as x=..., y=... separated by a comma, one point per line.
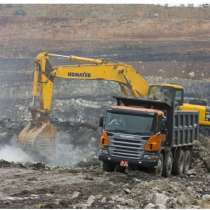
x=40, y=127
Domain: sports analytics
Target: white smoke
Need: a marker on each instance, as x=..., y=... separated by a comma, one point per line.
x=71, y=151
x=12, y=153
x=68, y=155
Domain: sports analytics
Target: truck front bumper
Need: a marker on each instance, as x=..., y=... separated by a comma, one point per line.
x=148, y=160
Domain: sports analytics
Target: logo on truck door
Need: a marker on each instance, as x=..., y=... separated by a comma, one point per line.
x=83, y=74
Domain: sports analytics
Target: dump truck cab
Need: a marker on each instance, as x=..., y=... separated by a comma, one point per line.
x=133, y=120
x=125, y=131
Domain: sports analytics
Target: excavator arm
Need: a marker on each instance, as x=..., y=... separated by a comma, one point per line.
x=44, y=76
x=87, y=69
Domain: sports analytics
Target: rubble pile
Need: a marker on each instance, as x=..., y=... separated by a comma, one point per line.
x=86, y=186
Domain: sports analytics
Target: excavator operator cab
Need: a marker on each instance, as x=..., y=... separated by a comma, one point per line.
x=169, y=93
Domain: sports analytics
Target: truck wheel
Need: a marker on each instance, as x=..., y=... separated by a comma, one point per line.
x=107, y=166
x=158, y=169
x=167, y=164
x=187, y=161
x=179, y=161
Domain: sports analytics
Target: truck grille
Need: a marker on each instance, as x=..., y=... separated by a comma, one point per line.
x=127, y=147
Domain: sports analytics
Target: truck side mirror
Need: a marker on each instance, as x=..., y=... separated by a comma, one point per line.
x=101, y=121
x=163, y=126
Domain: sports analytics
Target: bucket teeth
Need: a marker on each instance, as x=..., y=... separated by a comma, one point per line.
x=46, y=132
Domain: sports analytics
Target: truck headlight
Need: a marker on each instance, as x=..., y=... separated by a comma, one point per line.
x=104, y=151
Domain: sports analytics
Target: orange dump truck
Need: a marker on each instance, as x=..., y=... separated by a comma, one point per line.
x=147, y=133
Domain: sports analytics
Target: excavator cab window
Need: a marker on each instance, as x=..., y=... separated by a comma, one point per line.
x=160, y=93
x=179, y=97
x=167, y=94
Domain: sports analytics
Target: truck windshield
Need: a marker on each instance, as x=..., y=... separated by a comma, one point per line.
x=129, y=123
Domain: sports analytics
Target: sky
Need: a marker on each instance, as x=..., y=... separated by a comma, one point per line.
x=161, y=2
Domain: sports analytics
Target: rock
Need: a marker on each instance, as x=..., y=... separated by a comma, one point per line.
x=171, y=203
x=127, y=191
x=75, y=194
x=160, y=200
x=99, y=196
x=205, y=202
x=189, y=189
x=161, y=70
x=137, y=180
x=206, y=197
x=191, y=172
x=103, y=200
x=120, y=206
x=202, y=147
x=207, y=163
x=90, y=200
x=149, y=206
x=119, y=199
x=191, y=74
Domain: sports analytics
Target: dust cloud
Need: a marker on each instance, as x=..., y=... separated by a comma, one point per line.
x=12, y=153
x=70, y=149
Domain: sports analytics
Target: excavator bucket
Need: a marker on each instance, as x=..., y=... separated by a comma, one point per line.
x=38, y=138
x=31, y=133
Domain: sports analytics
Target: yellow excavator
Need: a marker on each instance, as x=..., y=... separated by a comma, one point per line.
x=40, y=127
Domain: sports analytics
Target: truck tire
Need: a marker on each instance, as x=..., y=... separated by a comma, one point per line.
x=167, y=164
x=158, y=169
x=187, y=161
x=179, y=162
x=107, y=166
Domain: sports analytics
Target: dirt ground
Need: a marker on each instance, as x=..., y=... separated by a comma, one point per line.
x=35, y=185
x=164, y=44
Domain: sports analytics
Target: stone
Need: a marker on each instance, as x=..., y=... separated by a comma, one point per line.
x=192, y=74
x=207, y=163
x=90, y=200
x=205, y=202
x=191, y=172
x=206, y=197
x=103, y=200
x=149, y=206
x=75, y=194
x=127, y=191
x=160, y=200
